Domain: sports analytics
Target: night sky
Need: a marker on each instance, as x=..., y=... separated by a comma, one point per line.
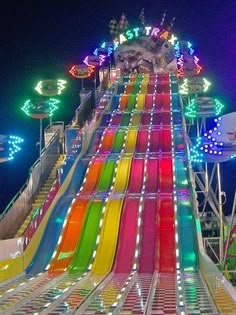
x=42, y=39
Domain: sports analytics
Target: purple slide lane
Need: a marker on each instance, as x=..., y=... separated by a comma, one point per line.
x=116, y=119
x=156, y=118
x=145, y=119
x=151, y=87
x=136, y=176
x=147, y=256
x=141, y=144
x=127, y=236
x=152, y=175
x=165, y=118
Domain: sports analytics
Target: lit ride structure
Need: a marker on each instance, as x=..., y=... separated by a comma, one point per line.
x=123, y=235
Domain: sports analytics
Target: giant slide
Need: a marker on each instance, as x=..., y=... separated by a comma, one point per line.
x=122, y=238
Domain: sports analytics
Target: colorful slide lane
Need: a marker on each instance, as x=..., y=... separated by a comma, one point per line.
x=127, y=236
x=87, y=242
x=108, y=238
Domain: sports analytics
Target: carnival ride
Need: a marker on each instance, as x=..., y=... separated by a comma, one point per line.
x=119, y=230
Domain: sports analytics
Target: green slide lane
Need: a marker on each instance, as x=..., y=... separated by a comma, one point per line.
x=87, y=241
x=106, y=175
x=136, y=87
x=119, y=140
x=125, y=119
x=131, y=101
x=186, y=225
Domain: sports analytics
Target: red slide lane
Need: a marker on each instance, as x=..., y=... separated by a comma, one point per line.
x=155, y=141
x=136, y=176
x=166, y=101
x=127, y=236
x=162, y=101
x=141, y=144
x=148, y=101
x=145, y=119
x=163, y=78
x=163, y=88
x=148, y=240
x=166, y=254
x=165, y=140
x=152, y=175
x=166, y=175
x=107, y=141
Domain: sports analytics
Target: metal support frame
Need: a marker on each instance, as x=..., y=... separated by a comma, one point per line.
x=230, y=229
x=220, y=213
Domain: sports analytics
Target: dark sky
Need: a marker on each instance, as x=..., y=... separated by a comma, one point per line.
x=42, y=39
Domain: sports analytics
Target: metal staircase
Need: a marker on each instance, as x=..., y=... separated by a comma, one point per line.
x=41, y=195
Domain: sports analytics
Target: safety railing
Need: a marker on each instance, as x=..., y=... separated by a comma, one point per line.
x=20, y=205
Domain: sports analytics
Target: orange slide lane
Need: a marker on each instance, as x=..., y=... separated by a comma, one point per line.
x=123, y=102
x=69, y=237
x=107, y=140
x=92, y=176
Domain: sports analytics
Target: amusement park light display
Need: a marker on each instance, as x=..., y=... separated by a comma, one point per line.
x=205, y=106
x=194, y=85
x=50, y=87
x=106, y=52
x=40, y=108
x=172, y=39
x=183, y=47
x=93, y=60
x=9, y=146
x=208, y=145
x=188, y=66
x=187, y=62
x=109, y=46
x=82, y=71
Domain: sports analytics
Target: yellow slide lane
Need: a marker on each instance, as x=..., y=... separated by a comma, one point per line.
x=136, y=119
x=130, y=141
x=146, y=77
x=144, y=87
x=122, y=175
x=140, y=101
x=108, y=238
x=11, y=267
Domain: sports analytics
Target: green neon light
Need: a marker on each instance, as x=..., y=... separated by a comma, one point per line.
x=50, y=87
x=187, y=86
x=192, y=109
x=45, y=108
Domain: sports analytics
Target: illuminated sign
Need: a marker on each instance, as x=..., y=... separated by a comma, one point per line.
x=150, y=31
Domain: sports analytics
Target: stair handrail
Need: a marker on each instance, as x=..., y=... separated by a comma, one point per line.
x=25, y=196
